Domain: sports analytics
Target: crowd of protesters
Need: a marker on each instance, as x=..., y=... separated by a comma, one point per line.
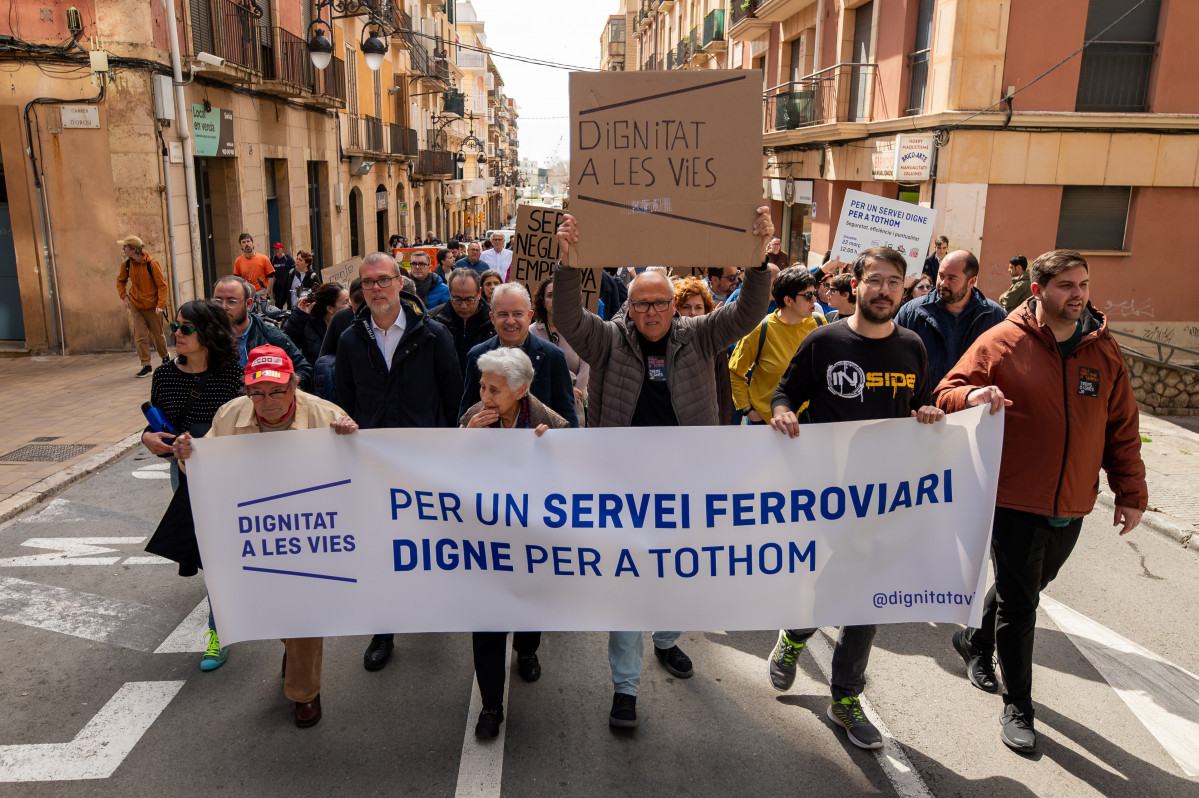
x=453, y=345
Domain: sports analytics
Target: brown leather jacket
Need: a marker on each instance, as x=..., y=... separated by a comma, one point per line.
x=1068, y=416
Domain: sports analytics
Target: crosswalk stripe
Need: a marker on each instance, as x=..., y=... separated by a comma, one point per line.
x=189, y=634
x=1163, y=696
x=481, y=769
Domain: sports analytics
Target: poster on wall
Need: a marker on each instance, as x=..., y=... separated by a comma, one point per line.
x=213, y=132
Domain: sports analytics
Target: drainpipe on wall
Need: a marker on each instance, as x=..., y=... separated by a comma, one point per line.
x=184, y=131
x=166, y=181
x=819, y=26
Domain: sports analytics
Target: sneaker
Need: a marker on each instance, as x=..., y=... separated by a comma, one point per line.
x=488, y=726
x=528, y=667
x=214, y=656
x=675, y=661
x=861, y=732
x=624, y=711
x=145, y=372
x=1015, y=729
x=782, y=662
x=980, y=669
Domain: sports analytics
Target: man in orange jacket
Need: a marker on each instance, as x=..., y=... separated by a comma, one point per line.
x=143, y=289
x=1071, y=410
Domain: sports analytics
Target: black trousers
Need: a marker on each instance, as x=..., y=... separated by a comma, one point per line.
x=1027, y=554
x=490, y=665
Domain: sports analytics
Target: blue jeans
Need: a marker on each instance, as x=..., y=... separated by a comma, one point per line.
x=625, y=651
x=850, y=656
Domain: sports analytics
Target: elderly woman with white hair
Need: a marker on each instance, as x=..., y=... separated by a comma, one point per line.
x=505, y=375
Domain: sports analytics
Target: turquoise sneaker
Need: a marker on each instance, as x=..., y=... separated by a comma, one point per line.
x=214, y=656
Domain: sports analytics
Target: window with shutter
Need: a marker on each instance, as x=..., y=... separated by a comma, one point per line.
x=1093, y=217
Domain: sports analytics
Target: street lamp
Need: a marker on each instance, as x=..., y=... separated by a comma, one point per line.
x=320, y=49
x=373, y=50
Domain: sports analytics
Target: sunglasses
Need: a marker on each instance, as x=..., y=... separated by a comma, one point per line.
x=808, y=295
x=185, y=328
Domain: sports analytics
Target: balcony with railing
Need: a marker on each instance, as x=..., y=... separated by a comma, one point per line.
x=682, y=52
x=289, y=71
x=353, y=139
x=427, y=64
x=329, y=85
x=433, y=163
x=1114, y=77
x=840, y=93
x=372, y=134
x=918, y=86
x=403, y=140
x=744, y=22
x=713, y=41
x=231, y=31
x=671, y=60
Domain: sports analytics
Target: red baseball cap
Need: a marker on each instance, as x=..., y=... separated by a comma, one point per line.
x=277, y=245
x=268, y=364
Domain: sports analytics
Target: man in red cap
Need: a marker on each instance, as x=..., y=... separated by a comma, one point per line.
x=274, y=403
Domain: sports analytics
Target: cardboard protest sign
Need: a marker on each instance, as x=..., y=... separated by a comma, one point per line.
x=535, y=251
x=872, y=221
x=666, y=167
x=342, y=273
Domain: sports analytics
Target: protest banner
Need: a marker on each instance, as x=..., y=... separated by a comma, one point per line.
x=853, y=523
x=666, y=167
x=535, y=252
x=343, y=273
x=868, y=221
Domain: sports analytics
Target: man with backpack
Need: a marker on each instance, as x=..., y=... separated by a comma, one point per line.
x=143, y=289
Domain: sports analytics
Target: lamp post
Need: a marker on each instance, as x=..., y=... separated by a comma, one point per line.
x=379, y=21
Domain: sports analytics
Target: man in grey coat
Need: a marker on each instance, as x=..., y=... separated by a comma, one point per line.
x=651, y=368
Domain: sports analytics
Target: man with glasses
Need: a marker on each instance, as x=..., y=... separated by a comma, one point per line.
x=866, y=368
x=722, y=282
x=650, y=368
x=512, y=313
x=775, y=254
x=431, y=289
x=394, y=368
x=467, y=315
x=251, y=332
x=473, y=258
x=950, y=319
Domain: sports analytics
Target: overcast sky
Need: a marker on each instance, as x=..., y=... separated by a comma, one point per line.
x=562, y=31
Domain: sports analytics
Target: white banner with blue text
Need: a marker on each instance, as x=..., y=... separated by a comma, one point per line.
x=310, y=534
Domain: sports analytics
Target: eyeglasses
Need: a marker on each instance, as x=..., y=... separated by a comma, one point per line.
x=890, y=283
x=659, y=305
x=276, y=394
x=808, y=295
x=186, y=329
x=464, y=300
x=382, y=282
x=229, y=302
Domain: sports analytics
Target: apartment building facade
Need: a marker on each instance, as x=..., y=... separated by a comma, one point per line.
x=97, y=142
x=1023, y=147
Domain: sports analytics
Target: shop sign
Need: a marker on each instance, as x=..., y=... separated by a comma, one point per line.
x=213, y=132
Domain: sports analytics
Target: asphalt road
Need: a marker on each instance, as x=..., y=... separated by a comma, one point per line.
x=84, y=693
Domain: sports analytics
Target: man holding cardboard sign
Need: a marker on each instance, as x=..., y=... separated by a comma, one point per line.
x=650, y=368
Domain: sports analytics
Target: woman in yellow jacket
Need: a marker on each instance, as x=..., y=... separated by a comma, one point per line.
x=760, y=358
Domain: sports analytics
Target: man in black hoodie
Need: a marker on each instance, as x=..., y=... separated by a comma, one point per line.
x=466, y=315
x=395, y=368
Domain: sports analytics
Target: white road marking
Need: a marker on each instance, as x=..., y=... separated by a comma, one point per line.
x=99, y=618
x=153, y=471
x=1163, y=696
x=189, y=634
x=80, y=551
x=481, y=768
x=891, y=758
x=100, y=746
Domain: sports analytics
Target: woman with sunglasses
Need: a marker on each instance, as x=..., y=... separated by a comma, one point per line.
x=916, y=286
x=206, y=365
x=760, y=358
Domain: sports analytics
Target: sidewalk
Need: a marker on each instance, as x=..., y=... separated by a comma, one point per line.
x=1171, y=454
x=79, y=413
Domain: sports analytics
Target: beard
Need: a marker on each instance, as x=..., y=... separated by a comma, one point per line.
x=950, y=298
x=876, y=314
x=1059, y=310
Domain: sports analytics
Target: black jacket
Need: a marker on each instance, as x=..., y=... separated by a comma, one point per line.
x=340, y=322
x=613, y=293
x=931, y=267
x=261, y=333
x=467, y=334
x=307, y=332
x=552, y=383
x=421, y=389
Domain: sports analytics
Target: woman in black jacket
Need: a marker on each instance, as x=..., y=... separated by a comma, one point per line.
x=308, y=324
x=189, y=390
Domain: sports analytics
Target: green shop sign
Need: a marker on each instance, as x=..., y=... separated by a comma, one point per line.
x=213, y=132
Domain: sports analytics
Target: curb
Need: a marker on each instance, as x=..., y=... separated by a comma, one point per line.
x=40, y=491
x=1165, y=525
